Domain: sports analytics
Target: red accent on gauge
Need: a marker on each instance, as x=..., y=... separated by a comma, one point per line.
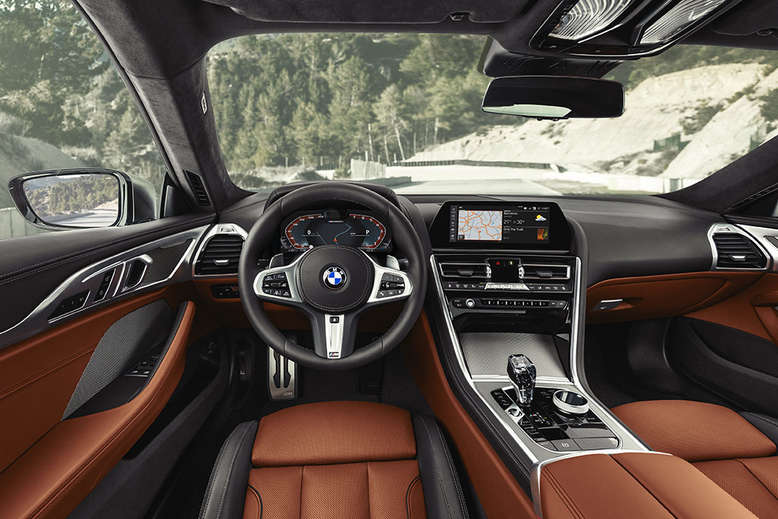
x=381, y=229
x=295, y=222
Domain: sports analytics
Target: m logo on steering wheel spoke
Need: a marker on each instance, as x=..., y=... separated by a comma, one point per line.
x=334, y=277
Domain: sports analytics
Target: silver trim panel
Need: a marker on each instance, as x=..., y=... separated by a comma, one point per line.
x=761, y=235
x=90, y=277
x=333, y=334
x=482, y=386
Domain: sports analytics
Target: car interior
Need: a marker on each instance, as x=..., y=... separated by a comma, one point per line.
x=343, y=349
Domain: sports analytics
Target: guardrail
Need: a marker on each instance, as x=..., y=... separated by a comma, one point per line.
x=13, y=224
x=466, y=162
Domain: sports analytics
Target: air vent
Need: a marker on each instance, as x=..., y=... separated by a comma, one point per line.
x=198, y=189
x=220, y=256
x=465, y=270
x=550, y=272
x=736, y=251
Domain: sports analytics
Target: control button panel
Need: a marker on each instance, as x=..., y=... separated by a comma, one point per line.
x=144, y=368
x=512, y=304
x=276, y=285
x=229, y=291
x=105, y=283
x=71, y=304
x=506, y=287
x=391, y=285
x=552, y=429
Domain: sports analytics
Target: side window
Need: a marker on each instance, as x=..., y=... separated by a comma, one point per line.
x=63, y=106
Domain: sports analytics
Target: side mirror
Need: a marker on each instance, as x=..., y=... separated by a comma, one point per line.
x=554, y=97
x=79, y=198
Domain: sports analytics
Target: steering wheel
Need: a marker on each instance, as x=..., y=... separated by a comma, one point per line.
x=332, y=284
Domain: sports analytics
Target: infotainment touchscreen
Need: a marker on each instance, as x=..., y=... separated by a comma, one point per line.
x=517, y=224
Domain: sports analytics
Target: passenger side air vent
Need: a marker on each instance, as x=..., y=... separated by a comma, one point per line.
x=465, y=270
x=550, y=272
x=737, y=251
x=220, y=255
x=198, y=189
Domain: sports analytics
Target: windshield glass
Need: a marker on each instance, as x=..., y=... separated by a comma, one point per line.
x=404, y=110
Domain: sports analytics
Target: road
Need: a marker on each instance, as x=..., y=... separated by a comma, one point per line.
x=463, y=180
x=480, y=186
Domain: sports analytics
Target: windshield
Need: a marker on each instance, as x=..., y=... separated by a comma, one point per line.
x=404, y=110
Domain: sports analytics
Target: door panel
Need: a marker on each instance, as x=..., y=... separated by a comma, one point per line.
x=65, y=459
x=38, y=376
x=31, y=268
x=740, y=367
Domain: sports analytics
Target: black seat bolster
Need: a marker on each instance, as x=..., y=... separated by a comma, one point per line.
x=442, y=490
x=226, y=492
x=767, y=425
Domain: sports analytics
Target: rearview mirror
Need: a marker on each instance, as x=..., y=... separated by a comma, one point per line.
x=72, y=198
x=554, y=97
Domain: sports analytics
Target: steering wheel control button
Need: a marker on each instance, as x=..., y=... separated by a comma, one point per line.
x=276, y=285
x=334, y=277
x=390, y=285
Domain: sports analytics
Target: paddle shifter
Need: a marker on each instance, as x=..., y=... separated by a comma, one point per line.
x=522, y=373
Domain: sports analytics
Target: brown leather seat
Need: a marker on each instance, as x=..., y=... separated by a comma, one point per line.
x=335, y=460
x=718, y=441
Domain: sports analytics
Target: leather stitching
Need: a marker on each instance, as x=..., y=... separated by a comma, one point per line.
x=449, y=463
x=38, y=376
x=411, y=486
x=210, y=494
x=563, y=495
x=645, y=486
x=259, y=500
x=756, y=478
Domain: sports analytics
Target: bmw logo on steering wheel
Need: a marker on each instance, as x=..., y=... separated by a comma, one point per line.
x=334, y=277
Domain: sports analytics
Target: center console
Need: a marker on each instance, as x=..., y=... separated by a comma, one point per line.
x=510, y=287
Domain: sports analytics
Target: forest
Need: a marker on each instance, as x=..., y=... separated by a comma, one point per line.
x=313, y=100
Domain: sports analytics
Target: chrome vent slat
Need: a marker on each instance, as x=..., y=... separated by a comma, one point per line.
x=465, y=270
x=220, y=255
x=737, y=251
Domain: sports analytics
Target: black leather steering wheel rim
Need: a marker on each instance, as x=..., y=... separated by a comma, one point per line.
x=266, y=229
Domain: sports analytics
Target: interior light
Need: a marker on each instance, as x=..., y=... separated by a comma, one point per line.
x=588, y=17
x=680, y=17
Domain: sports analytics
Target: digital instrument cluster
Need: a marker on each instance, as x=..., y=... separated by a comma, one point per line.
x=335, y=227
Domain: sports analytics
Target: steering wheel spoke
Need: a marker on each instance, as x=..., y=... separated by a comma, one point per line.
x=389, y=283
x=334, y=335
x=279, y=284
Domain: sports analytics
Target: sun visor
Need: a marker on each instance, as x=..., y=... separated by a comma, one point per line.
x=374, y=11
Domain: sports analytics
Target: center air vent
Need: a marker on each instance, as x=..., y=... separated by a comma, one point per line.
x=550, y=272
x=220, y=255
x=737, y=251
x=465, y=270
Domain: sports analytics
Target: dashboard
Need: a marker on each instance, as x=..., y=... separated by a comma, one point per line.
x=349, y=227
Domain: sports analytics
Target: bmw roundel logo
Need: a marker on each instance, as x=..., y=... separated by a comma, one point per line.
x=334, y=277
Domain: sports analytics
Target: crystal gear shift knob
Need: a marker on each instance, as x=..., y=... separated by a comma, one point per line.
x=522, y=373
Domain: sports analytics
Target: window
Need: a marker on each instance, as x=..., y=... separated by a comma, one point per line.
x=62, y=104
x=404, y=110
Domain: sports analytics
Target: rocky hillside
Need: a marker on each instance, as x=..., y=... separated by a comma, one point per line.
x=683, y=125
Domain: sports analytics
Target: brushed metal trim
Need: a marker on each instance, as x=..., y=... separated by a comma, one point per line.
x=38, y=319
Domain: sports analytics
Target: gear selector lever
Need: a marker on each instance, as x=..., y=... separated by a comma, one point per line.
x=522, y=373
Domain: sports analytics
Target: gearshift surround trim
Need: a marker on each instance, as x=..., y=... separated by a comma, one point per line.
x=482, y=386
